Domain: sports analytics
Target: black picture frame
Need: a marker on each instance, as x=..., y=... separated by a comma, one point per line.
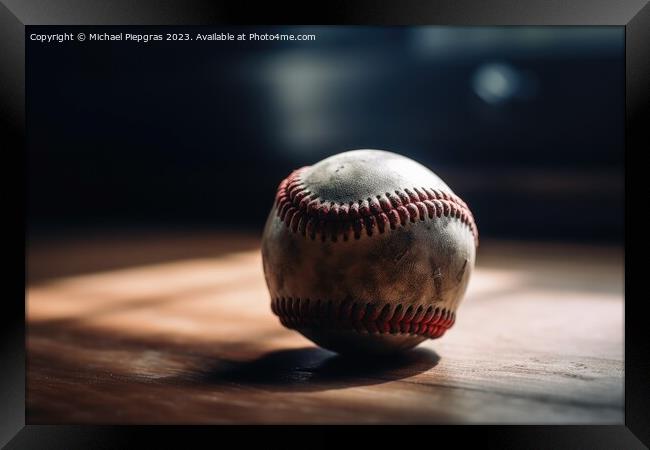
x=634, y=15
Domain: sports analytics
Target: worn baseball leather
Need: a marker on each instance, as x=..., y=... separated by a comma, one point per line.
x=382, y=292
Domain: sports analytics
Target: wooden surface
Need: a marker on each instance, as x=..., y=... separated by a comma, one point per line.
x=178, y=329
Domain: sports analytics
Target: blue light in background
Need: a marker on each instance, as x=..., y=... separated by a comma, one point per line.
x=495, y=83
x=498, y=83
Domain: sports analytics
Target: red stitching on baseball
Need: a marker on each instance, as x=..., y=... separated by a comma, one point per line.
x=304, y=212
x=420, y=320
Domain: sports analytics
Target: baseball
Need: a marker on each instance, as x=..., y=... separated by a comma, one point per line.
x=367, y=251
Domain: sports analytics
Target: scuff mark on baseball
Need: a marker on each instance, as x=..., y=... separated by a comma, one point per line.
x=368, y=251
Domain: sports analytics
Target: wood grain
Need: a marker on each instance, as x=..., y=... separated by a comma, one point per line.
x=173, y=328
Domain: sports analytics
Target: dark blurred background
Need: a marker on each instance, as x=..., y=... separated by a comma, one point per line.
x=524, y=123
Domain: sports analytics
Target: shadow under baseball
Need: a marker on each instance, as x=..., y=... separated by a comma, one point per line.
x=315, y=369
